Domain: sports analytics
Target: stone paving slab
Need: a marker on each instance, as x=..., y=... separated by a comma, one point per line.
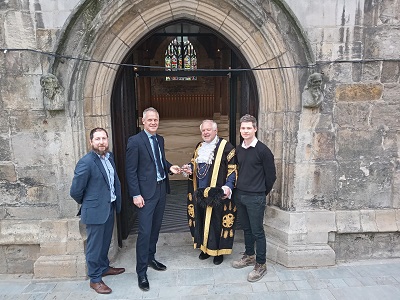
x=188, y=277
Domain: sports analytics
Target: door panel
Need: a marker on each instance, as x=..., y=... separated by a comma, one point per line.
x=124, y=124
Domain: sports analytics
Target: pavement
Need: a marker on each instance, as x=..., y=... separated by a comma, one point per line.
x=189, y=278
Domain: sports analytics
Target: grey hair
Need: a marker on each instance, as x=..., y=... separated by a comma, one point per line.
x=150, y=109
x=214, y=124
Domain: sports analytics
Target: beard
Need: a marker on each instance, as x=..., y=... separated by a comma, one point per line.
x=100, y=152
x=315, y=93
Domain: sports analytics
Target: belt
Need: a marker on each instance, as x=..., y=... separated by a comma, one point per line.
x=161, y=181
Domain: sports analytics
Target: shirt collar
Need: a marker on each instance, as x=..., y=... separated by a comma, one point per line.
x=149, y=135
x=107, y=156
x=252, y=144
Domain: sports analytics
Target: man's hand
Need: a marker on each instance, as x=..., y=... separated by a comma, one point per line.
x=175, y=169
x=138, y=201
x=227, y=192
x=186, y=170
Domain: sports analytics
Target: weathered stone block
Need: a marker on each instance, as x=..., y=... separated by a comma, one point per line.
x=380, y=42
x=386, y=220
x=4, y=121
x=12, y=192
x=45, y=148
x=398, y=219
x=320, y=221
x=76, y=230
x=357, y=72
x=5, y=151
x=353, y=144
x=390, y=72
x=3, y=261
x=53, y=248
x=371, y=71
x=53, y=231
x=364, y=185
x=353, y=246
x=348, y=221
x=359, y=92
x=19, y=232
x=75, y=247
x=354, y=115
x=28, y=90
x=20, y=258
x=7, y=171
x=31, y=212
x=391, y=121
x=391, y=93
x=315, y=186
x=60, y=266
x=300, y=256
x=386, y=245
x=23, y=62
x=368, y=221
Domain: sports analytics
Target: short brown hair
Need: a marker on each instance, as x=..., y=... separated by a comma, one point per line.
x=249, y=118
x=95, y=130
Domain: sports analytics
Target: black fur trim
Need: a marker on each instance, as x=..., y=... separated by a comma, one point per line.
x=214, y=198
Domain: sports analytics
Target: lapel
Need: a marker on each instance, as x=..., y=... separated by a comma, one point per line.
x=99, y=164
x=146, y=142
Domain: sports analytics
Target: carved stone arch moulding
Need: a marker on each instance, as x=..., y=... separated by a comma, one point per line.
x=106, y=30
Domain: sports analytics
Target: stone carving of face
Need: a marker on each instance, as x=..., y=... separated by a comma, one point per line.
x=315, y=81
x=312, y=95
x=50, y=86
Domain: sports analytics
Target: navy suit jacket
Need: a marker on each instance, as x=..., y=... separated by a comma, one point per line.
x=141, y=172
x=90, y=187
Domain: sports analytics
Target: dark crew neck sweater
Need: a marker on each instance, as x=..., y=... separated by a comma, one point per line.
x=256, y=169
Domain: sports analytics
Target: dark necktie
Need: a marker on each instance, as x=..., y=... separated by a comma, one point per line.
x=157, y=156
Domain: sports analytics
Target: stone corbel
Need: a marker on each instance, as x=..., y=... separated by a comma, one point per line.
x=52, y=93
x=313, y=95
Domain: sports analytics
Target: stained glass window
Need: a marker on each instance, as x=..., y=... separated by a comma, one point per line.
x=174, y=61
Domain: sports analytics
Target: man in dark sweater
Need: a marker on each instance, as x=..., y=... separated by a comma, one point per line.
x=256, y=176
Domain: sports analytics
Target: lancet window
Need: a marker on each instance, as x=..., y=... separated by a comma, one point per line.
x=180, y=55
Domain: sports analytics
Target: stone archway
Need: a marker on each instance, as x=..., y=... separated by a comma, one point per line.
x=266, y=34
x=106, y=31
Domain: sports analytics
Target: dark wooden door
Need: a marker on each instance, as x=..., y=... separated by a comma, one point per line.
x=124, y=124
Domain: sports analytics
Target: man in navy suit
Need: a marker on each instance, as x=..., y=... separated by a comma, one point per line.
x=97, y=188
x=147, y=176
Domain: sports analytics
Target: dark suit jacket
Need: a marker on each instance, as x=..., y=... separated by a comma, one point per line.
x=90, y=187
x=141, y=172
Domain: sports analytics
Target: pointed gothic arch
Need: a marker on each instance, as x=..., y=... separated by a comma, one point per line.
x=107, y=31
x=266, y=35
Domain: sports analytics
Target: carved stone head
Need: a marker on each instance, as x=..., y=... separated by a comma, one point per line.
x=312, y=95
x=52, y=90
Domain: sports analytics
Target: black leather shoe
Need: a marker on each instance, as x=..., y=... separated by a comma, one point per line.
x=203, y=255
x=156, y=265
x=143, y=283
x=218, y=259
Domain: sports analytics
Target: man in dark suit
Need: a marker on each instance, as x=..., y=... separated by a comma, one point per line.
x=147, y=176
x=97, y=188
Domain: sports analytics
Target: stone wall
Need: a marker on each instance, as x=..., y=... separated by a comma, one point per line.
x=338, y=165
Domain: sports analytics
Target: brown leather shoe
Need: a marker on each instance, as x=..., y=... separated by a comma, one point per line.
x=113, y=271
x=100, y=287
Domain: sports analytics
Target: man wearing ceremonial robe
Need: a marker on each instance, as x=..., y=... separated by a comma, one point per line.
x=212, y=176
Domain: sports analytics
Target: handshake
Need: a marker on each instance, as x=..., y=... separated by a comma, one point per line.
x=185, y=170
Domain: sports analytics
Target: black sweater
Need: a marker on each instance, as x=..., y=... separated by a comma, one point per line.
x=256, y=169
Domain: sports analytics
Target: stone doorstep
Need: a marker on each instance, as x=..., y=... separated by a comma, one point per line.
x=299, y=256
x=183, y=238
x=60, y=266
